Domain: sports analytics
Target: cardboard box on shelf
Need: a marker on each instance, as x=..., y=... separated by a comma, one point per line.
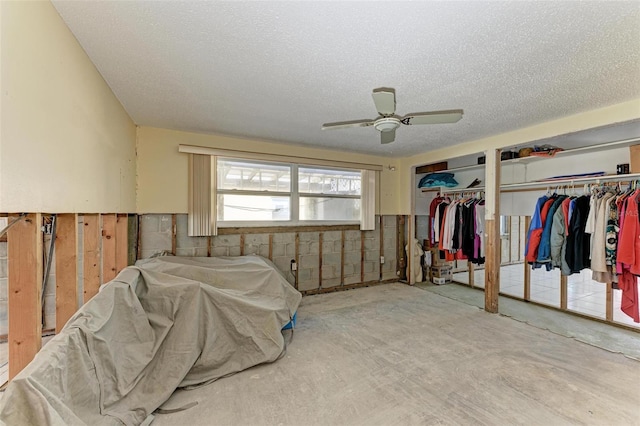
x=634, y=164
x=436, y=260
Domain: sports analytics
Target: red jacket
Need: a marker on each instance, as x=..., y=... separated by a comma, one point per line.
x=536, y=234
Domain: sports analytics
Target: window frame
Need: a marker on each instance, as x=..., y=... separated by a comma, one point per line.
x=294, y=196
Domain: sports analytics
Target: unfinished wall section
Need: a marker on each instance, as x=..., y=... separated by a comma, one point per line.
x=3, y=289
x=352, y=257
x=155, y=235
x=309, y=261
x=372, y=254
x=327, y=257
x=389, y=244
x=185, y=245
x=331, y=259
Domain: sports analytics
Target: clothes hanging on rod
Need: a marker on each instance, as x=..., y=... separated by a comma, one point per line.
x=461, y=229
x=435, y=217
x=599, y=230
x=628, y=253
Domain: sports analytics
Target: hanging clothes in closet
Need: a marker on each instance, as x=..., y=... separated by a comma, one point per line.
x=461, y=229
x=627, y=259
x=599, y=230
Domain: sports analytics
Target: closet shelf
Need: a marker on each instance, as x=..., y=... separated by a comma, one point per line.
x=538, y=185
x=582, y=150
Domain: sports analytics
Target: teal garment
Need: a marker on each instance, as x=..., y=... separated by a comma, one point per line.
x=438, y=179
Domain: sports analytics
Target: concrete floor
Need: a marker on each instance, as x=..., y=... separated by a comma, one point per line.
x=394, y=354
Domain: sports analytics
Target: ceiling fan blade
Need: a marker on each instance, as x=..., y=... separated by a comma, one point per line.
x=433, y=117
x=385, y=100
x=343, y=124
x=388, y=137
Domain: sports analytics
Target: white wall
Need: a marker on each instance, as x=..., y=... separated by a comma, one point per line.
x=162, y=183
x=66, y=142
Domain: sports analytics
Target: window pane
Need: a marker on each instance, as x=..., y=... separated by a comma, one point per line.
x=319, y=208
x=248, y=176
x=327, y=181
x=253, y=207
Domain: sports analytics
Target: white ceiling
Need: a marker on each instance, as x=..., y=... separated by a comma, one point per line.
x=278, y=70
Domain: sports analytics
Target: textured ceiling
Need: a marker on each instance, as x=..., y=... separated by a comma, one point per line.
x=278, y=70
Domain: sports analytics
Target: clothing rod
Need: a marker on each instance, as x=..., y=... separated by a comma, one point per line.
x=544, y=184
x=559, y=182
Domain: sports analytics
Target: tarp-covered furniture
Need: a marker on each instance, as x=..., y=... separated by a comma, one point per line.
x=165, y=323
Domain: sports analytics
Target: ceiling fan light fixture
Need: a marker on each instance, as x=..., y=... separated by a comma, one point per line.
x=386, y=124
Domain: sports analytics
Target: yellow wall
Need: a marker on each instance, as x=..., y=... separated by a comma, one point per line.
x=66, y=142
x=162, y=170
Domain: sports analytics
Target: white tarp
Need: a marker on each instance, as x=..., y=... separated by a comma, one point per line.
x=165, y=323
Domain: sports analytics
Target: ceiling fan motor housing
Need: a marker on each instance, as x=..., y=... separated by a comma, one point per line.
x=386, y=124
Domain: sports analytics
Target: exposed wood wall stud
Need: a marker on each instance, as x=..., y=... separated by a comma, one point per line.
x=381, y=243
x=609, y=301
x=271, y=247
x=174, y=238
x=563, y=292
x=297, y=259
x=361, y=256
x=241, y=244
x=108, y=247
x=91, y=256
x=66, y=253
x=320, y=242
x=122, y=242
x=139, y=238
x=400, y=255
x=527, y=269
x=25, y=268
x=342, y=257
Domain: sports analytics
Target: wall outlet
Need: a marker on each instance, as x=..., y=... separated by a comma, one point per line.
x=294, y=265
x=381, y=260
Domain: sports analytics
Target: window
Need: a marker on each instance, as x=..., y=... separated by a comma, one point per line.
x=327, y=194
x=254, y=191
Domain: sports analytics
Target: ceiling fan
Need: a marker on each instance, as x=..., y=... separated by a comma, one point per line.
x=388, y=121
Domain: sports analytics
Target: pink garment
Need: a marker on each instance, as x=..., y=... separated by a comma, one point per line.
x=628, y=259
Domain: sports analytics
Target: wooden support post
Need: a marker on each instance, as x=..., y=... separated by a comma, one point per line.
x=66, y=249
x=527, y=268
x=174, y=239
x=209, y=246
x=122, y=242
x=472, y=274
x=320, y=241
x=24, y=251
x=91, y=256
x=342, y=258
x=563, y=292
x=492, y=230
x=609, y=307
x=242, y=245
x=271, y=247
x=108, y=247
